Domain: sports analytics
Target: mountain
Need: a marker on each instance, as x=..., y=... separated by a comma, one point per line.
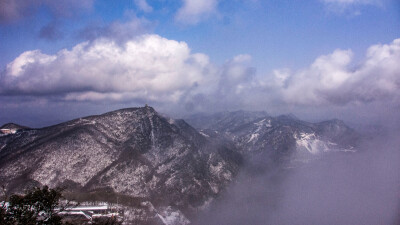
x=162, y=170
x=158, y=164
x=269, y=140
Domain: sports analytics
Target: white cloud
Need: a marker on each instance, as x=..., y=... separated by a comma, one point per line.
x=143, y=5
x=149, y=67
x=193, y=11
x=332, y=79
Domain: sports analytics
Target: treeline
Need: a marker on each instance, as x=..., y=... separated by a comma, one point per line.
x=40, y=206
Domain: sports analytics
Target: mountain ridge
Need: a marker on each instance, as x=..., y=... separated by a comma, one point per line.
x=159, y=162
x=134, y=152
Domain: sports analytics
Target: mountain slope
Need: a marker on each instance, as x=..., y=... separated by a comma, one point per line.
x=134, y=152
x=160, y=166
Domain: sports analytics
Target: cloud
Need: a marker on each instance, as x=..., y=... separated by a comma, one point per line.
x=194, y=11
x=333, y=84
x=148, y=67
x=13, y=10
x=165, y=73
x=342, y=6
x=143, y=5
x=144, y=68
x=68, y=7
x=120, y=31
x=345, y=189
x=50, y=32
x=332, y=79
x=355, y=188
x=228, y=87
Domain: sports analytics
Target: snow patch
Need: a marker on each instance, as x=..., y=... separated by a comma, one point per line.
x=260, y=124
x=82, y=122
x=311, y=143
x=172, y=217
x=253, y=137
x=264, y=122
x=217, y=169
x=214, y=187
x=351, y=149
x=171, y=121
x=205, y=135
x=206, y=204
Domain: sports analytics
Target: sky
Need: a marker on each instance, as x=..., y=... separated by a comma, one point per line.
x=317, y=59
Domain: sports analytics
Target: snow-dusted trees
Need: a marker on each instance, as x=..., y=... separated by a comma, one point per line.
x=36, y=207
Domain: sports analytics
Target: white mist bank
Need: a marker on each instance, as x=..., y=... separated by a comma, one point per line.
x=352, y=188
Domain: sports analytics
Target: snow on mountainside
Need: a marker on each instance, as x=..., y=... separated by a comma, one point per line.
x=276, y=139
x=163, y=168
x=311, y=143
x=134, y=152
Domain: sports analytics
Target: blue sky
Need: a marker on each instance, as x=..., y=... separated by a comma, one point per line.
x=316, y=58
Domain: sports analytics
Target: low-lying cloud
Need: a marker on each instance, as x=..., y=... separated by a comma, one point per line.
x=340, y=188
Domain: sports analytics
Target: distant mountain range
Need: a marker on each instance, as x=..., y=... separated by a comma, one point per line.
x=281, y=139
x=159, y=166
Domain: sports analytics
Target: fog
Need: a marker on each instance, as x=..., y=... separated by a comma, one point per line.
x=339, y=188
